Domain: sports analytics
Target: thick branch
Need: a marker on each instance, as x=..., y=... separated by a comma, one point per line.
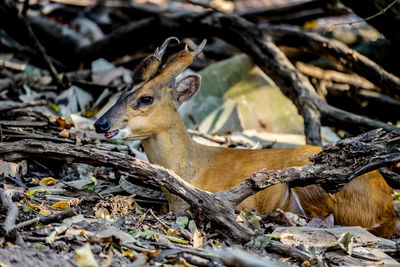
x=215, y=209
x=351, y=59
x=295, y=13
x=6, y=108
x=334, y=166
x=12, y=210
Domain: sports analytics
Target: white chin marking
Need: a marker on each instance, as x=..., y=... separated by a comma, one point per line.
x=123, y=134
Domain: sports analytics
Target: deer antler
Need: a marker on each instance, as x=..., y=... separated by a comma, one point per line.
x=160, y=51
x=198, y=49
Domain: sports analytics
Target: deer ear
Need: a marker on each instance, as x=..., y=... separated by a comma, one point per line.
x=186, y=89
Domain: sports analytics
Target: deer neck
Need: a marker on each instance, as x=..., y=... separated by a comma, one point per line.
x=174, y=149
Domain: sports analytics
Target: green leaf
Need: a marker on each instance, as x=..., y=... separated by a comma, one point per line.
x=89, y=186
x=55, y=107
x=174, y=239
x=31, y=70
x=138, y=209
x=182, y=221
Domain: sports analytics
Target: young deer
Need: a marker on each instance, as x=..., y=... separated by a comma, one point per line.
x=148, y=110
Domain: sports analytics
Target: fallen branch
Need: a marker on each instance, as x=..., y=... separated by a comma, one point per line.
x=6, y=108
x=216, y=210
x=49, y=219
x=250, y=39
x=12, y=210
x=351, y=59
x=294, y=13
x=335, y=166
x=361, y=101
x=335, y=76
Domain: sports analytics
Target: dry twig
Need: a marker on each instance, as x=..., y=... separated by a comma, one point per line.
x=12, y=210
x=335, y=166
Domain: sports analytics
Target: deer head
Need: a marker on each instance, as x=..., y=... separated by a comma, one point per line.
x=150, y=99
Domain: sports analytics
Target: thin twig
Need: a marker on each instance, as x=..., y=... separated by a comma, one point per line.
x=41, y=49
x=368, y=18
x=158, y=220
x=28, y=222
x=136, y=248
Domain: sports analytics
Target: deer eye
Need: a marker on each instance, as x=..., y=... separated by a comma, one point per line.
x=144, y=101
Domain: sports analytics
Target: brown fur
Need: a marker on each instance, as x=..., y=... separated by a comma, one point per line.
x=365, y=201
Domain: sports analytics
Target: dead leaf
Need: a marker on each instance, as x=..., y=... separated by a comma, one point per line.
x=151, y=254
x=102, y=213
x=8, y=169
x=84, y=257
x=64, y=133
x=82, y=234
x=51, y=237
x=197, y=239
x=34, y=181
x=172, y=232
x=61, y=205
x=251, y=219
x=138, y=209
x=35, y=207
x=62, y=124
x=131, y=254
x=279, y=235
x=48, y=181
x=45, y=212
x=345, y=242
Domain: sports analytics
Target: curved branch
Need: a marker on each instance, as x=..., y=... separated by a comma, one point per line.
x=351, y=59
x=216, y=210
x=335, y=166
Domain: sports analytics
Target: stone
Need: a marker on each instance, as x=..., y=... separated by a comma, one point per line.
x=236, y=95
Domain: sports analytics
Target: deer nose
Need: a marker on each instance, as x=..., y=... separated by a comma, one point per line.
x=102, y=126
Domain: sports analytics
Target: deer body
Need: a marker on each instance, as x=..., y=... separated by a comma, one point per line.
x=148, y=111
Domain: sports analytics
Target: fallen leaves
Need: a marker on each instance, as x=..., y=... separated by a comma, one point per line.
x=61, y=205
x=84, y=257
x=48, y=181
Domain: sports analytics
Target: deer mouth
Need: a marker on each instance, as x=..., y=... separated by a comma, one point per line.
x=111, y=134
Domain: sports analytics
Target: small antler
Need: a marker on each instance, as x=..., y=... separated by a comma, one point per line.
x=160, y=51
x=198, y=49
x=175, y=65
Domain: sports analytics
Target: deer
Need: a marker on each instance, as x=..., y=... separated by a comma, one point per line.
x=147, y=110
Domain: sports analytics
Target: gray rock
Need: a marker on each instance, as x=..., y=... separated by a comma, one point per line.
x=235, y=95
